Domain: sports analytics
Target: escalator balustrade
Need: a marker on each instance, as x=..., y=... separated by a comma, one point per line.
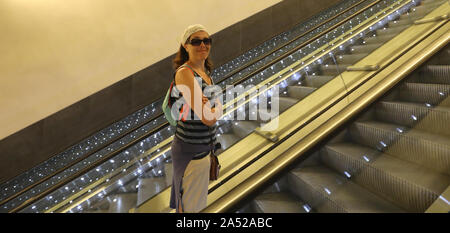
x=395, y=157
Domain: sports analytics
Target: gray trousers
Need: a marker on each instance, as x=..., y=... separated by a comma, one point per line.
x=195, y=185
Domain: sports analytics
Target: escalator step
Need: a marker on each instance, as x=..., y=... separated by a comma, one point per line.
x=434, y=94
x=378, y=39
x=279, y=203
x=350, y=58
x=442, y=58
x=418, y=11
x=391, y=31
x=333, y=70
x=129, y=188
x=300, y=92
x=435, y=74
x=284, y=102
x=422, y=148
x=154, y=181
x=315, y=81
x=431, y=2
x=227, y=140
x=243, y=128
x=148, y=187
x=404, y=22
x=326, y=191
x=413, y=115
x=424, y=8
x=101, y=206
x=412, y=187
x=266, y=115
x=368, y=48
x=122, y=203
x=99, y=211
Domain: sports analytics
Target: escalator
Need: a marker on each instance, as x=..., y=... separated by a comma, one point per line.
x=419, y=161
x=80, y=170
x=394, y=157
x=137, y=177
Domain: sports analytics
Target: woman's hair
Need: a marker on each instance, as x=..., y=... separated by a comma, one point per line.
x=183, y=56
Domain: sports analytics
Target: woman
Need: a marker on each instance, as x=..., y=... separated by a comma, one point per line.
x=195, y=134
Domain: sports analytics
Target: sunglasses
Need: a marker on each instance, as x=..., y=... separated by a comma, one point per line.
x=198, y=42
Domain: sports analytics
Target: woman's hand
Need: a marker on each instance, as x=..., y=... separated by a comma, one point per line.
x=192, y=93
x=218, y=109
x=204, y=100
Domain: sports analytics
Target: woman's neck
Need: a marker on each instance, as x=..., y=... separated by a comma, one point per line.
x=197, y=64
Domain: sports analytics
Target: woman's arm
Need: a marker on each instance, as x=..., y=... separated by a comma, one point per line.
x=194, y=97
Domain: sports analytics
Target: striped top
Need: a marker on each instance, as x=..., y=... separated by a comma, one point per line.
x=192, y=130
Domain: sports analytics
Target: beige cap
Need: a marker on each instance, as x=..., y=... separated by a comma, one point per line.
x=191, y=30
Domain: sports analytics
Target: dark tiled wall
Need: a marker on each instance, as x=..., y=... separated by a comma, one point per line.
x=36, y=143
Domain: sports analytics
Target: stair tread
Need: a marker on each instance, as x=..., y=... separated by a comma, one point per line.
x=392, y=30
x=123, y=202
x=148, y=187
x=125, y=195
x=338, y=65
x=243, y=128
x=343, y=192
x=367, y=45
x=433, y=93
x=417, y=105
x=306, y=87
x=437, y=85
x=245, y=124
x=151, y=179
x=333, y=69
x=227, y=137
x=364, y=48
x=426, y=7
x=433, y=66
x=437, y=74
x=279, y=203
x=432, y=138
x=156, y=172
x=430, y=118
x=316, y=81
x=286, y=99
x=319, y=76
x=266, y=115
x=405, y=170
x=299, y=92
x=402, y=21
x=414, y=15
x=382, y=37
x=358, y=55
x=96, y=211
x=399, y=24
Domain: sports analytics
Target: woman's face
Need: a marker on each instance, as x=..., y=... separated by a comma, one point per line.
x=200, y=52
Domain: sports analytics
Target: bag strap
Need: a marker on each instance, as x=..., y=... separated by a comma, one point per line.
x=193, y=72
x=187, y=66
x=185, y=109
